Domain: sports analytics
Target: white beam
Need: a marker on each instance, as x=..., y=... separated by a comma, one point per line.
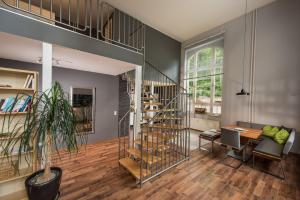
x=47, y=66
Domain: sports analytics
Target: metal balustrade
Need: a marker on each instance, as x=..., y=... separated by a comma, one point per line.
x=96, y=19
x=164, y=139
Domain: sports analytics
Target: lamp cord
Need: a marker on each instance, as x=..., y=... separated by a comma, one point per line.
x=244, y=53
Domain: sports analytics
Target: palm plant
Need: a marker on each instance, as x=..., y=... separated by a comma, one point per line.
x=49, y=123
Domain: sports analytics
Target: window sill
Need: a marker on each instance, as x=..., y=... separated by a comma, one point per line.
x=207, y=116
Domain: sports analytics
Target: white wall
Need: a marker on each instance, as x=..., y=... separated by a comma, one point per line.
x=277, y=67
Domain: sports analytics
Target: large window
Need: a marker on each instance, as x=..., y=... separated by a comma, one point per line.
x=204, y=69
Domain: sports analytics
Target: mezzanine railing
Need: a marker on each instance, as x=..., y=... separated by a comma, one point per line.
x=93, y=18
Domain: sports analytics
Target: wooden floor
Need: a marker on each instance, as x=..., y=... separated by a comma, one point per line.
x=95, y=174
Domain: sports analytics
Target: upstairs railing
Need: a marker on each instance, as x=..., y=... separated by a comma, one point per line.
x=93, y=18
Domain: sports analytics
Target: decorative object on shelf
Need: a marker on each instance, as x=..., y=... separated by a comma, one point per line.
x=50, y=122
x=243, y=91
x=5, y=86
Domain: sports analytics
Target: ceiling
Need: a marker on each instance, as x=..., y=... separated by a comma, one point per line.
x=183, y=20
x=27, y=50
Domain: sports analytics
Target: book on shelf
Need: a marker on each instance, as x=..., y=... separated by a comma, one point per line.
x=20, y=106
x=1, y=102
x=25, y=105
x=7, y=105
x=29, y=81
x=26, y=81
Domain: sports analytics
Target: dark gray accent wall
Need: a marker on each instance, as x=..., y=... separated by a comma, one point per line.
x=124, y=100
x=107, y=98
x=163, y=52
x=107, y=94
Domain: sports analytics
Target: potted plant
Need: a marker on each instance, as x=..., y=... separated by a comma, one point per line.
x=49, y=124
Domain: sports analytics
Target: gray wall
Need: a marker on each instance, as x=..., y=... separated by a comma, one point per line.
x=163, y=52
x=276, y=76
x=107, y=94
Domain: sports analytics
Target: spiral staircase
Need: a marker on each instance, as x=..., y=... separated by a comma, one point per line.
x=163, y=139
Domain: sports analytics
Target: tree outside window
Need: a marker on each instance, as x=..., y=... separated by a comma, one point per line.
x=204, y=78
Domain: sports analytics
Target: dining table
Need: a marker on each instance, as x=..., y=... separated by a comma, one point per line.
x=246, y=135
x=249, y=133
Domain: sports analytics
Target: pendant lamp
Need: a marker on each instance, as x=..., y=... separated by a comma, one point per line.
x=243, y=92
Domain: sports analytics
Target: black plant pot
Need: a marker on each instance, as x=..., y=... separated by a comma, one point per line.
x=46, y=191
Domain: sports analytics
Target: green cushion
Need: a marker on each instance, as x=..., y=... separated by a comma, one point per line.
x=269, y=131
x=267, y=128
x=281, y=136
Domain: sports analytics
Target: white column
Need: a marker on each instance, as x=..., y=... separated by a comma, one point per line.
x=46, y=77
x=47, y=66
x=137, y=100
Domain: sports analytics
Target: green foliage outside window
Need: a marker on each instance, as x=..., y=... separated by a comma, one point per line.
x=203, y=70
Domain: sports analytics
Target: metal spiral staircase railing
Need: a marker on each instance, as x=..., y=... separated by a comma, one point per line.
x=164, y=139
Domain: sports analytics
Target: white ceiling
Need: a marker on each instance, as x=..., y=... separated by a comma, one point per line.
x=183, y=20
x=27, y=50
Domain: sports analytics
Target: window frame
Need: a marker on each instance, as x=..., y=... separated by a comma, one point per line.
x=213, y=68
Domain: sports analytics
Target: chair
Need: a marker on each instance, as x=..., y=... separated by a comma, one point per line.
x=210, y=135
x=231, y=138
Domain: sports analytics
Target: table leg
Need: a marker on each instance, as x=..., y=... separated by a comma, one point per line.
x=199, y=143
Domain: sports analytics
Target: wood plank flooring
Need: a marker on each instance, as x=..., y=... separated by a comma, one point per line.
x=94, y=173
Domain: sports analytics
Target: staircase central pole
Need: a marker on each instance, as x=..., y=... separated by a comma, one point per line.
x=137, y=100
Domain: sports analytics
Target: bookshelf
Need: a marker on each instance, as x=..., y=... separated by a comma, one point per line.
x=15, y=82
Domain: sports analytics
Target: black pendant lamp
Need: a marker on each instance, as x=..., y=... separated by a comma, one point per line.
x=243, y=92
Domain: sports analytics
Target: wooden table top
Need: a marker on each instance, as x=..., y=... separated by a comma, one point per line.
x=248, y=133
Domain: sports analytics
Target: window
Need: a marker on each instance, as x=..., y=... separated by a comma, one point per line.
x=204, y=69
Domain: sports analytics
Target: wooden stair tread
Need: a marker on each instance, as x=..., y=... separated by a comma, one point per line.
x=163, y=118
x=133, y=167
x=153, y=103
x=147, y=98
x=147, y=157
x=152, y=145
x=160, y=110
x=163, y=126
x=161, y=136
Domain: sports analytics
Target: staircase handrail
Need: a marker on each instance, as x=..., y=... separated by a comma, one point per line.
x=166, y=106
x=178, y=85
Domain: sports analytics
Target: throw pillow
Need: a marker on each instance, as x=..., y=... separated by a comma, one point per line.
x=270, y=132
x=281, y=136
x=287, y=129
x=267, y=128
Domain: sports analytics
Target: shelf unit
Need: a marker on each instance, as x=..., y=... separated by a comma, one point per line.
x=12, y=172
